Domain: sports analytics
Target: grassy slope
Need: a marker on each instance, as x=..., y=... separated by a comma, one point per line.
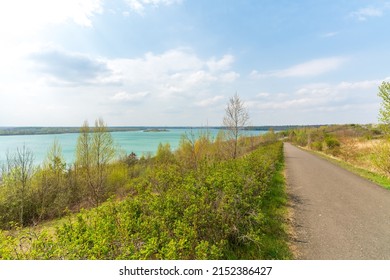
x=369, y=175
x=275, y=205
x=274, y=238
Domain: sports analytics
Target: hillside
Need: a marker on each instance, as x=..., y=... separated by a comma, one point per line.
x=196, y=203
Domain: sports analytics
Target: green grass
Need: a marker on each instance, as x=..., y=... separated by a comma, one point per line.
x=275, y=226
x=274, y=237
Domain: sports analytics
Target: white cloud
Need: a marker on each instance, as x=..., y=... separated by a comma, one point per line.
x=198, y=77
x=124, y=96
x=83, y=84
x=361, y=85
x=174, y=71
x=64, y=68
x=23, y=24
x=155, y=66
x=222, y=64
x=283, y=101
x=263, y=94
x=320, y=97
x=329, y=34
x=255, y=74
x=209, y=101
x=139, y=6
x=310, y=68
x=135, y=5
x=364, y=13
x=229, y=77
x=165, y=74
x=22, y=17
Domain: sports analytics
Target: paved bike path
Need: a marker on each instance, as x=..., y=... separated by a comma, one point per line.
x=336, y=214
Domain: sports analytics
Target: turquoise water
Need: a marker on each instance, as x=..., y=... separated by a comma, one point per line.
x=139, y=142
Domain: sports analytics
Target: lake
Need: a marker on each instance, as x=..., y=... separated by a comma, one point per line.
x=139, y=142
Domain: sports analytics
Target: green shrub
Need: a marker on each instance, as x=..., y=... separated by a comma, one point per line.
x=213, y=212
x=332, y=145
x=331, y=142
x=382, y=157
x=317, y=146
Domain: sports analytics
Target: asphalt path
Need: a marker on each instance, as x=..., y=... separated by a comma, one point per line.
x=336, y=215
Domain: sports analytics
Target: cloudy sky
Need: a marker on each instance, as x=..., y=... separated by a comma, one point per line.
x=177, y=62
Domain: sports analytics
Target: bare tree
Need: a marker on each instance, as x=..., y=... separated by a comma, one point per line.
x=194, y=147
x=94, y=151
x=50, y=192
x=102, y=153
x=83, y=149
x=19, y=170
x=235, y=120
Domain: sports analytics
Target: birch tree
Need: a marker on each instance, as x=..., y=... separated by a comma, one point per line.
x=17, y=175
x=95, y=149
x=236, y=118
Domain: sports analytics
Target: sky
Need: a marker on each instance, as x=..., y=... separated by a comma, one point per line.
x=177, y=62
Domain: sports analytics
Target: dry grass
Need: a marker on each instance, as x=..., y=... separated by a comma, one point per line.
x=360, y=153
x=361, y=157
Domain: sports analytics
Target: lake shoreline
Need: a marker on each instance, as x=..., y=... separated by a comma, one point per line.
x=41, y=130
x=136, y=141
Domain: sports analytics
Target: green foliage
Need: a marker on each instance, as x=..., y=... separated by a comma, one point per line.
x=196, y=149
x=129, y=159
x=222, y=209
x=318, y=139
x=270, y=136
x=316, y=145
x=117, y=178
x=273, y=226
x=201, y=201
x=30, y=194
x=164, y=154
x=332, y=144
x=15, y=187
x=95, y=150
x=384, y=112
x=382, y=156
x=51, y=194
x=383, y=151
x=45, y=194
x=301, y=137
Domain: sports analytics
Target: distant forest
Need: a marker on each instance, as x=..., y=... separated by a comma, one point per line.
x=34, y=130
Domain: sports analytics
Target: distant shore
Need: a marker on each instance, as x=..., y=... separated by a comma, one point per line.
x=8, y=131
x=156, y=130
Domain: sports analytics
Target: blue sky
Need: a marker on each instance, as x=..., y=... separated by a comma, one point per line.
x=177, y=62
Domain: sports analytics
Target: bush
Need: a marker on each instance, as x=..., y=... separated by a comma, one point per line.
x=212, y=212
x=164, y=154
x=332, y=145
x=382, y=157
x=317, y=146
